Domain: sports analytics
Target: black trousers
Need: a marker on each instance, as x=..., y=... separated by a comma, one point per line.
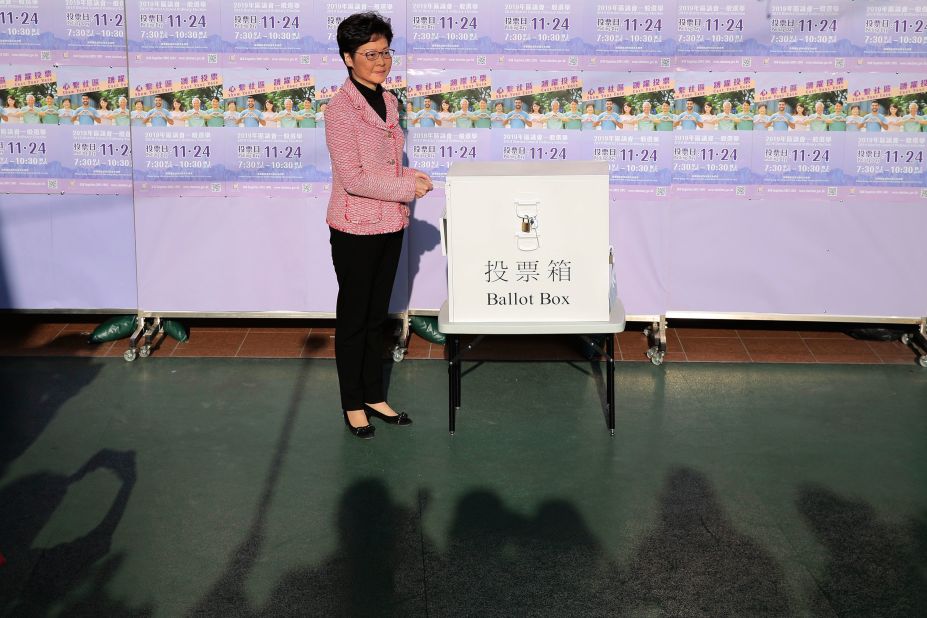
x=366, y=268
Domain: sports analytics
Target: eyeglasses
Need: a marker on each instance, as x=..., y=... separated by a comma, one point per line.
x=371, y=56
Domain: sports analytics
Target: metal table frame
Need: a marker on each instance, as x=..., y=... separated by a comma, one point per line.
x=453, y=330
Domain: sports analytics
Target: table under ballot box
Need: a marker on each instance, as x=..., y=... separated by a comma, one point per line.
x=528, y=253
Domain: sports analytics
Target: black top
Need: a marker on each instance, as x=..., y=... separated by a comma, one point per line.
x=374, y=97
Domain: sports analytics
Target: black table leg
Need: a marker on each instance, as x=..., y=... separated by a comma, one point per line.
x=453, y=383
x=610, y=380
x=459, y=369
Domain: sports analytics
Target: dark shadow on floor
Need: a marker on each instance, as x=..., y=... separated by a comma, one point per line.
x=875, y=568
x=32, y=392
x=696, y=563
x=500, y=562
x=35, y=581
x=376, y=570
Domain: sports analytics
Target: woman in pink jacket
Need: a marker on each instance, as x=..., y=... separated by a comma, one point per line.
x=367, y=215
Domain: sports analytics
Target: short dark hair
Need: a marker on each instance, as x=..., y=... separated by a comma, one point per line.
x=358, y=29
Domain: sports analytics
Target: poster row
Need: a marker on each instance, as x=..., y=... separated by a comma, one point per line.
x=620, y=34
x=201, y=132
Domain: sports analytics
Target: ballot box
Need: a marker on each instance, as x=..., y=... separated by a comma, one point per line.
x=528, y=241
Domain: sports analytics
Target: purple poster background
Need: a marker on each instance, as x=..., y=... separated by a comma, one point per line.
x=96, y=158
x=168, y=157
x=640, y=162
x=31, y=158
x=90, y=33
x=329, y=14
x=721, y=36
x=807, y=35
x=180, y=33
x=278, y=157
x=627, y=36
x=265, y=34
x=26, y=31
x=447, y=34
x=888, y=35
x=887, y=162
x=537, y=36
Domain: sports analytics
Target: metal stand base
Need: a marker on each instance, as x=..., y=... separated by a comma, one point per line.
x=147, y=328
x=656, y=338
x=918, y=341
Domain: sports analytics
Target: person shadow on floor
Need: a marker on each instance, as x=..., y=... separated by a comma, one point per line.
x=696, y=563
x=875, y=568
x=34, y=579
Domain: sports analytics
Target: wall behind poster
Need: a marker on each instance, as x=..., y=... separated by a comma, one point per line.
x=212, y=127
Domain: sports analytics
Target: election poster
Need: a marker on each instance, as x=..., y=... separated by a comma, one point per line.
x=885, y=155
x=544, y=122
x=26, y=31
x=805, y=36
x=889, y=35
x=537, y=35
x=801, y=123
x=628, y=36
x=272, y=139
x=444, y=35
x=31, y=149
x=721, y=36
x=89, y=32
x=449, y=118
x=267, y=34
x=328, y=15
x=93, y=116
x=179, y=142
x=176, y=33
x=618, y=112
x=713, y=135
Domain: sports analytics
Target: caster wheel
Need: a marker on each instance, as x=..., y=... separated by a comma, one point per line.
x=657, y=358
x=652, y=351
x=398, y=355
x=922, y=361
x=144, y=351
x=646, y=332
x=906, y=339
x=130, y=355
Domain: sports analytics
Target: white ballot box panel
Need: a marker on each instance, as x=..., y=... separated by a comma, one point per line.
x=528, y=242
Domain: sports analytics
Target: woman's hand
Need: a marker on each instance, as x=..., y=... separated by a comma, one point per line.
x=422, y=184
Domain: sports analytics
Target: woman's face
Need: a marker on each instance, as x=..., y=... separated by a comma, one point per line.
x=268, y=106
x=707, y=108
x=535, y=107
x=10, y=102
x=176, y=105
x=892, y=110
x=370, y=73
x=445, y=106
x=104, y=104
x=800, y=109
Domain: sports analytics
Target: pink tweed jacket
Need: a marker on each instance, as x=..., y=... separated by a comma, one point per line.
x=370, y=187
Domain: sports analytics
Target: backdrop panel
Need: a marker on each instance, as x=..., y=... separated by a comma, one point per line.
x=238, y=255
x=795, y=257
x=67, y=252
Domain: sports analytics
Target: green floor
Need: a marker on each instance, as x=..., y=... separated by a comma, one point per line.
x=172, y=487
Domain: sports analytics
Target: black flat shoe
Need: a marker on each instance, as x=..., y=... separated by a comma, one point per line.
x=401, y=418
x=365, y=432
